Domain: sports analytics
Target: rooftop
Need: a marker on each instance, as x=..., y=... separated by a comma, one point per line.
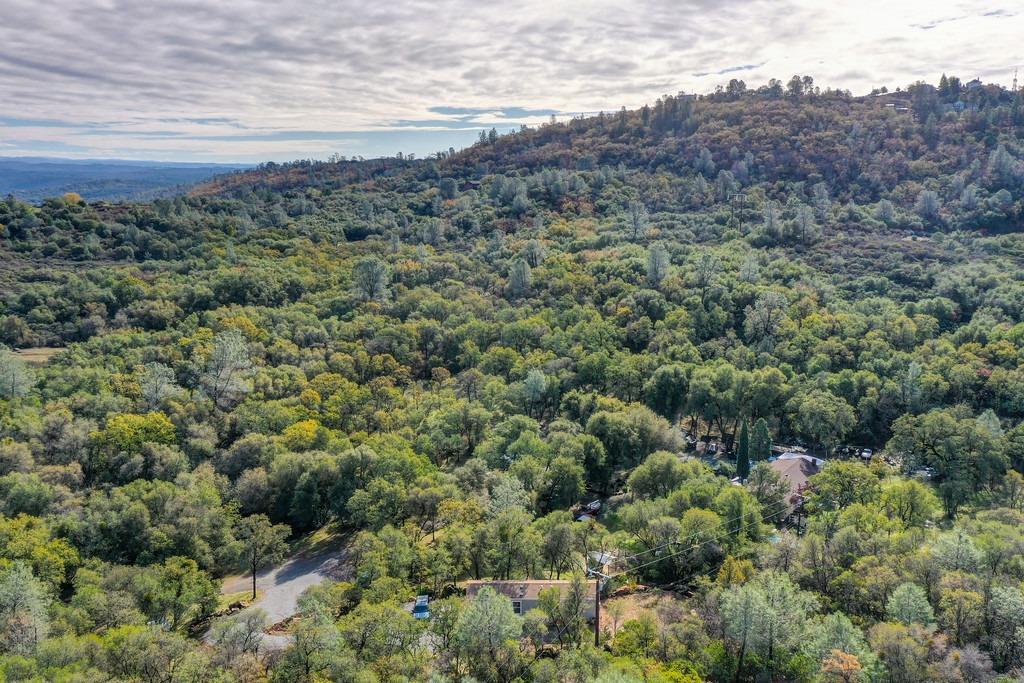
x=528, y=589
x=795, y=471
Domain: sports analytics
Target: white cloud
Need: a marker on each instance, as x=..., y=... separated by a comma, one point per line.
x=249, y=79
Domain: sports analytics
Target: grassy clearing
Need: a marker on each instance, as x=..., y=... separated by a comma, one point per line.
x=632, y=606
x=228, y=599
x=38, y=355
x=326, y=538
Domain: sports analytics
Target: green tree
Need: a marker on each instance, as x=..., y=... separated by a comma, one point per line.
x=961, y=611
x=16, y=379
x=371, y=279
x=928, y=206
x=565, y=611
x=260, y=543
x=486, y=636
x=239, y=634
x=519, y=278
x=657, y=476
x=765, y=317
x=964, y=454
x=910, y=502
x=1005, y=619
x=764, y=616
x=150, y=654
x=823, y=417
x=636, y=218
x=183, y=588
x=909, y=604
x=313, y=651
x=770, y=490
x=226, y=377
x=743, y=453
x=156, y=382
x=760, y=442
x=658, y=264
x=903, y=649
x=836, y=633
x=956, y=551
x=444, y=622
x=842, y=484
x=24, y=601
x=665, y=391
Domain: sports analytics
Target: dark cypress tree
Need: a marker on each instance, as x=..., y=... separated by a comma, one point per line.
x=743, y=453
x=761, y=443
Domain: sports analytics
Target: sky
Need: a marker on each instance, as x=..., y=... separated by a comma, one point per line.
x=254, y=80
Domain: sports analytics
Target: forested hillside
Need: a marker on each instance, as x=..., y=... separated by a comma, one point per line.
x=432, y=362
x=33, y=179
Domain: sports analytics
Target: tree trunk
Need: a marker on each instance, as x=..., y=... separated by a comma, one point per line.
x=739, y=661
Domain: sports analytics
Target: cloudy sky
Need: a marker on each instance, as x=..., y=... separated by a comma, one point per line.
x=250, y=80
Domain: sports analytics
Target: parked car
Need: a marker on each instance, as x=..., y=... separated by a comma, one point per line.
x=923, y=473
x=592, y=506
x=712, y=448
x=867, y=453
x=421, y=610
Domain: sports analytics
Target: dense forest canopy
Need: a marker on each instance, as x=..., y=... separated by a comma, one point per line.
x=427, y=364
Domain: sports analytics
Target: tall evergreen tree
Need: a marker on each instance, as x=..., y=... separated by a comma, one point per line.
x=760, y=448
x=743, y=453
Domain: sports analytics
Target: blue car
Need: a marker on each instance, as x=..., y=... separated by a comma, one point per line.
x=421, y=610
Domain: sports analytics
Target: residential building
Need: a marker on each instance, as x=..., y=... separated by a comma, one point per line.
x=795, y=469
x=525, y=594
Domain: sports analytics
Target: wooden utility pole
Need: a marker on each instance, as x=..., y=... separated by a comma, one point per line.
x=737, y=198
x=598, y=576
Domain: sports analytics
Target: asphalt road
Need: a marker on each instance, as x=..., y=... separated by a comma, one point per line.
x=282, y=585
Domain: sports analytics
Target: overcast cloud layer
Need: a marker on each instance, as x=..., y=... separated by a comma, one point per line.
x=247, y=80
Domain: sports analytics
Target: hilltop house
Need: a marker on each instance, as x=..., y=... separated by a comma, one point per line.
x=525, y=594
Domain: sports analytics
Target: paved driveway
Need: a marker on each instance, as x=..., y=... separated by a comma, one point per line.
x=282, y=585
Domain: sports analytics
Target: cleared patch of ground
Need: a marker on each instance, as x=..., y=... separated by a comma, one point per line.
x=38, y=355
x=226, y=600
x=617, y=611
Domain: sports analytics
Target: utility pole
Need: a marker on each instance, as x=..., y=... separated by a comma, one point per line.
x=741, y=199
x=598, y=576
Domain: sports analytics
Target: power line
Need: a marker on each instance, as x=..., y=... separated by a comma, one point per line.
x=728, y=532
x=729, y=521
x=783, y=505
x=684, y=550
x=600, y=576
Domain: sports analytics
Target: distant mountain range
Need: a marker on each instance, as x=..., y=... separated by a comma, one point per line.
x=36, y=178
